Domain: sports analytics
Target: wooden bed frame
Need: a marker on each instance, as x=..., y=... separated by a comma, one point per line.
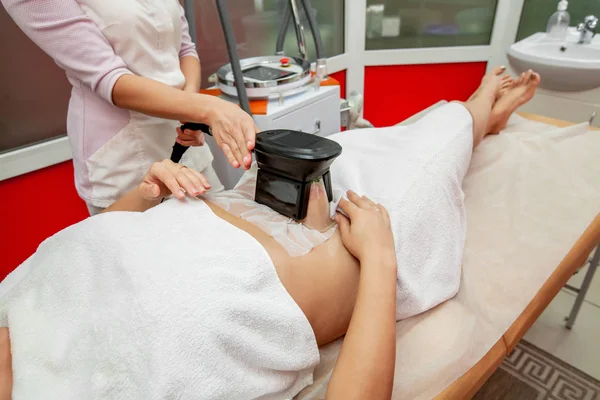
x=469, y=384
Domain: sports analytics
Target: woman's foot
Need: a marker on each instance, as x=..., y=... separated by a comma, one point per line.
x=493, y=83
x=318, y=215
x=519, y=93
x=507, y=83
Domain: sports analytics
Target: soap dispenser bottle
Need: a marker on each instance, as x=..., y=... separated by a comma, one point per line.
x=558, y=24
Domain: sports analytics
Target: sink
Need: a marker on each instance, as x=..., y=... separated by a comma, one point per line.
x=563, y=65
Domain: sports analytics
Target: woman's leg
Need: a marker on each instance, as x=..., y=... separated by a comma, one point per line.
x=6, y=379
x=480, y=105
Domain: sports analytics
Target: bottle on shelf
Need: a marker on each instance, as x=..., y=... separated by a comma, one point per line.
x=558, y=24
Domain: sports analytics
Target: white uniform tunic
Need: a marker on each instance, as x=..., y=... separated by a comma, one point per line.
x=96, y=42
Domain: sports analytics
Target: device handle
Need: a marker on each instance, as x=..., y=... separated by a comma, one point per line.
x=192, y=126
x=234, y=58
x=179, y=149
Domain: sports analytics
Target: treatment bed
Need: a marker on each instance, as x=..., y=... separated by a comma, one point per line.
x=533, y=200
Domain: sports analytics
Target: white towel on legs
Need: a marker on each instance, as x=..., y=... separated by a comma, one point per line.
x=416, y=172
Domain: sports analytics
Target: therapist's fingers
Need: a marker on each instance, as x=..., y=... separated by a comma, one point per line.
x=190, y=138
x=197, y=137
x=149, y=190
x=188, y=134
x=235, y=149
x=198, y=181
x=202, y=179
x=162, y=178
x=251, y=137
x=172, y=185
x=229, y=154
x=188, y=181
x=201, y=138
x=242, y=145
x=247, y=142
x=189, y=143
x=250, y=130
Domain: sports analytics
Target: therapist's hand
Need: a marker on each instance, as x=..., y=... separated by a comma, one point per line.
x=366, y=232
x=165, y=178
x=234, y=131
x=190, y=138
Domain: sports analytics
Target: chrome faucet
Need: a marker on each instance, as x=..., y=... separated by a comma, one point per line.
x=587, y=29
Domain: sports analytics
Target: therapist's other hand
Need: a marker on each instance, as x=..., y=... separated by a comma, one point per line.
x=165, y=178
x=234, y=131
x=190, y=138
x=366, y=231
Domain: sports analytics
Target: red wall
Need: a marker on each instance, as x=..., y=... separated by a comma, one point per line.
x=33, y=207
x=394, y=93
x=37, y=205
x=341, y=78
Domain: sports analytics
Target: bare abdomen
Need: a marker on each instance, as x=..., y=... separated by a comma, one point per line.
x=324, y=283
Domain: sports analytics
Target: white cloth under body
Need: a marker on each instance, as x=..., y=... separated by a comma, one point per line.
x=171, y=303
x=530, y=193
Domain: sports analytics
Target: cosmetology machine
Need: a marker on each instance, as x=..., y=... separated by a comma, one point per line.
x=291, y=151
x=291, y=97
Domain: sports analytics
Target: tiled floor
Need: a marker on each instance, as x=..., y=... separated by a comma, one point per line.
x=580, y=346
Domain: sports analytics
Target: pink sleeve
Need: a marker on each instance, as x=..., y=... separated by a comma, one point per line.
x=188, y=48
x=61, y=30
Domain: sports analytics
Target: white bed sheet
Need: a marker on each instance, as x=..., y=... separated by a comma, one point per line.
x=530, y=194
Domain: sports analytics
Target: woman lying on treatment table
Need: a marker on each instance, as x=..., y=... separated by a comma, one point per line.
x=187, y=300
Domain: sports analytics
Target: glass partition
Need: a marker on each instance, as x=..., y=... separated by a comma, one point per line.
x=34, y=92
x=537, y=12
x=256, y=24
x=401, y=24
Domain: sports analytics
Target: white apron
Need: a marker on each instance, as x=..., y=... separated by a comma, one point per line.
x=146, y=34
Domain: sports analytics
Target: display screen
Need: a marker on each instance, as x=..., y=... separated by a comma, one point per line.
x=278, y=194
x=264, y=74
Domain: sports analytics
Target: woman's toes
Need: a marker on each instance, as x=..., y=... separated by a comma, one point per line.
x=499, y=70
x=507, y=82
